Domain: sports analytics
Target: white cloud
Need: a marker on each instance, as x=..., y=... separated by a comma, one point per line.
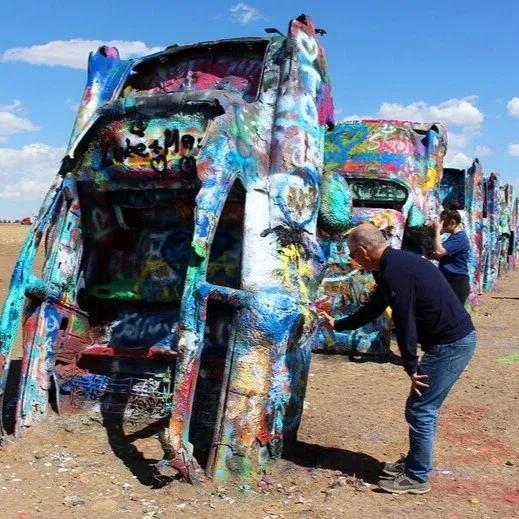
x=245, y=14
x=72, y=53
x=459, y=140
x=15, y=106
x=483, y=151
x=457, y=159
x=355, y=117
x=12, y=122
x=513, y=107
x=26, y=173
x=457, y=148
x=460, y=148
x=513, y=149
x=457, y=112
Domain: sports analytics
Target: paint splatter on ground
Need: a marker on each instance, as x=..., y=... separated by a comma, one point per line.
x=353, y=419
x=513, y=358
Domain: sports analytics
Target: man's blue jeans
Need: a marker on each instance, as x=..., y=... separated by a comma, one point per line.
x=443, y=363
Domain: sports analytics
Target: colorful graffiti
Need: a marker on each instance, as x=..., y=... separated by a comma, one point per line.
x=489, y=213
x=506, y=227
x=491, y=229
x=195, y=229
x=462, y=189
x=181, y=252
x=514, y=242
x=393, y=169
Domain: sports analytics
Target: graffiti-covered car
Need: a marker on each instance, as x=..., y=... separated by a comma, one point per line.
x=463, y=189
x=514, y=243
x=180, y=251
x=393, y=170
x=491, y=247
x=506, y=228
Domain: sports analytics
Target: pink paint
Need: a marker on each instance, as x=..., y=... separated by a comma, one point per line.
x=396, y=146
x=133, y=353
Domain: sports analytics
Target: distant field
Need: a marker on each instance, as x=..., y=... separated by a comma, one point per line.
x=12, y=233
x=11, y=239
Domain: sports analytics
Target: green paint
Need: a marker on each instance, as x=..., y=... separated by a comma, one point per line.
x=335, y=210
x=513, y=358
x=199, y=248
x=415, y=217
x=121, y=290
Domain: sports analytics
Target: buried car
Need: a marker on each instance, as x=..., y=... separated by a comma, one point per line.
x=393, y=170
x=180, y=252
x=463, y=189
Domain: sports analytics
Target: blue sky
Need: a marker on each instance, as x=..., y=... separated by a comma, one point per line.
x=446, y=60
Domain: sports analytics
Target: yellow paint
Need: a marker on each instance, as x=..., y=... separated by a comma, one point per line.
x=158, y=269
x=297, y=272
x=431, y=180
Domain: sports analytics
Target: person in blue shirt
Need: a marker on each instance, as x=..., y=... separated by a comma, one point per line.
x=425, y=311
x=453, y=254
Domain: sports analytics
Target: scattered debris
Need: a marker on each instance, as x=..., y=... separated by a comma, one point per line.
x=73, y=501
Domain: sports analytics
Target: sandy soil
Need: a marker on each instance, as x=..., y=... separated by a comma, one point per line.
x=353, y=420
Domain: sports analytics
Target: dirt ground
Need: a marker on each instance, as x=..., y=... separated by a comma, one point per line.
x=353, y=420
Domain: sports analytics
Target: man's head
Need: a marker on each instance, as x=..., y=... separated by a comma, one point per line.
x=367, y=243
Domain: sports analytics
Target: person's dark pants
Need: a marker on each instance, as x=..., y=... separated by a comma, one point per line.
x=443, y=364
x=461, y=286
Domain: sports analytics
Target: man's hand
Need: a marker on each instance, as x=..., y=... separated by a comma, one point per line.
x=327, y=319
x=418, y=384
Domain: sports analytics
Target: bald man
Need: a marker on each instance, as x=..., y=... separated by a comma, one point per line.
x=425, y=310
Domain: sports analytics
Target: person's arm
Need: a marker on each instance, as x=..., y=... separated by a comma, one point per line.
x=439, y=249
x=404, y=320
x=365, y=314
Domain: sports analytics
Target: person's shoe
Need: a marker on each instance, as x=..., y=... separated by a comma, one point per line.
x=391, y=470
x=403, y=484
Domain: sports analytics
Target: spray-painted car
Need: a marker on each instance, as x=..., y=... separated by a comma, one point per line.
x=491, y=232
x=393, y=170
x=180, y=251
x=463, y=189
x=500, y=212
x=506, y=227
x=514, y=242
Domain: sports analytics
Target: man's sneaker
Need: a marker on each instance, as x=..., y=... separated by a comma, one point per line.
x=403, y=484
x=391, y=470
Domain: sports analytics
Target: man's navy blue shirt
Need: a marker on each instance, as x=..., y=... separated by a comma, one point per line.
x=424, y=307
x=455, y=263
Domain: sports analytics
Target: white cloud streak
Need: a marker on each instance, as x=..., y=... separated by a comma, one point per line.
x=72, y=53
x=12, y=122
x=513, y=107
x=483, y=151
x=244, y=14
x=513, y=149
x=457, y=159
x=26, y=173
x=456, y=112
